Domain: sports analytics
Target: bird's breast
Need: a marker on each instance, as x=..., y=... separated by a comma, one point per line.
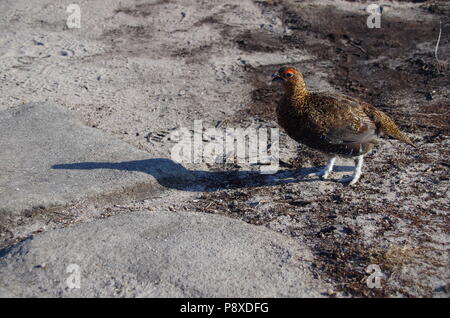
x=295, y=121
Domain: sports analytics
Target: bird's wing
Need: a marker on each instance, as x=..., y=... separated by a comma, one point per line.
x=381, y=122
x=345, y=120
x=349, y=136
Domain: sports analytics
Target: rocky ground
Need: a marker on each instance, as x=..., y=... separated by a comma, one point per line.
x=138, y=70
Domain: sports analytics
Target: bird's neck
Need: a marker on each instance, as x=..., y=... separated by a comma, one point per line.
x=297, y=92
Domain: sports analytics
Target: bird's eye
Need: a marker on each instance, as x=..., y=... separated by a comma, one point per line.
x=288, y=74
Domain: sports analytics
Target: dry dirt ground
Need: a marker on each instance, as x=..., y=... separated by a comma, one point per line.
x=142, y=69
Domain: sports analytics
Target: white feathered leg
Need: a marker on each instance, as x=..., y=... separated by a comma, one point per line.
x=356, y=173
x=326, y=170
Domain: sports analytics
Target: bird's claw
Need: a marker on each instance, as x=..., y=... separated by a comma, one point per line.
x=351, y=180
x=323, y=174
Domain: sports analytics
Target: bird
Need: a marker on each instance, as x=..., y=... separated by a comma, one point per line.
x=332, y=123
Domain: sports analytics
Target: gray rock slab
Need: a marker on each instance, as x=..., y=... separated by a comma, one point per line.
x=159, y=254
x=48, y=157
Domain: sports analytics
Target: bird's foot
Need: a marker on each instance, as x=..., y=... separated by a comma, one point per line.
x=351, y=180
x=325, y=171
x=356, y=174
x=347, y=179
x=322, y=173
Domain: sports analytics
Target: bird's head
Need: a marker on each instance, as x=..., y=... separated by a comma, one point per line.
x=289, y=76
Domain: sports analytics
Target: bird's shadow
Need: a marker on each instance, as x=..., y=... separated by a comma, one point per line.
x=173, y=175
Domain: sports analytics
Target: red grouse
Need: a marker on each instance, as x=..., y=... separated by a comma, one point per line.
x=335, y=124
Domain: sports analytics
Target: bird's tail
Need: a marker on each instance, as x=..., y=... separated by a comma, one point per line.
x=389, y=128
x=402, y=137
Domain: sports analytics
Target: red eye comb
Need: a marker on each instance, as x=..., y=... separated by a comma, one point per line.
x=289, y=70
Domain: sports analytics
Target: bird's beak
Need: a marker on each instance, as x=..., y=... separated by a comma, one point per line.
x=276, y=77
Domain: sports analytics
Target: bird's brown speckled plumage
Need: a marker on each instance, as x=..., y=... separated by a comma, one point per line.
x=332, y=123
